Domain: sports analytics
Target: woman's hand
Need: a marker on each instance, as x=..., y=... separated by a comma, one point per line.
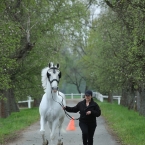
x=63, y=108
x=88, y=112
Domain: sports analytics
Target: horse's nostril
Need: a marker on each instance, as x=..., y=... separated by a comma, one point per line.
x=54, y=88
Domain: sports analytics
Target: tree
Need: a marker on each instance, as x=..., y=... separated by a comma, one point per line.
x=34, y=32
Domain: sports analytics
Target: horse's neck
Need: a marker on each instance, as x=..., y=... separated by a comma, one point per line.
x=49, y=94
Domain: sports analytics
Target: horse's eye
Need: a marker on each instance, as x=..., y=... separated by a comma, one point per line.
x=48, y=74
x=59, y=75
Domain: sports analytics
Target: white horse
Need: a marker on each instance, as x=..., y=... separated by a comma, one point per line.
x=50, y=108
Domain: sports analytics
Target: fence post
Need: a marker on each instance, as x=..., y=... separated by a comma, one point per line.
x=101, y=98
x=118, y=100
x=71, y=95
x=29, y=102
x=81, y=95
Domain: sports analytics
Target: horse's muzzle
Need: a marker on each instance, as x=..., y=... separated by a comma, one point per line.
x=55, y=88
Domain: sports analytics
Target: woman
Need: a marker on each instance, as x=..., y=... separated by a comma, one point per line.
x=89, y=110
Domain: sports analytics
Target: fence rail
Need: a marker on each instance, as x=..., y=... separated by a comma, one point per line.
x=97, y=95
x=101, y=97
x=28, y=101
x=74, y=96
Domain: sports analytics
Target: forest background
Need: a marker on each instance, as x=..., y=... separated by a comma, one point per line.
x=103, y=52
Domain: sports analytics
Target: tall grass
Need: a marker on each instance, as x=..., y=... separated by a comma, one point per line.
x=127, y=124
x=17, y=121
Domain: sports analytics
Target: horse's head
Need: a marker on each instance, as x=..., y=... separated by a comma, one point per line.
x=54, y=75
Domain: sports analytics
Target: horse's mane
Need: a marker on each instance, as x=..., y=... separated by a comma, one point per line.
x=44, y=78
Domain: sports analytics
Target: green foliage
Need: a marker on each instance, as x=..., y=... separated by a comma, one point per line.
x=46, y=27
x=116, y=47
x=9, y=43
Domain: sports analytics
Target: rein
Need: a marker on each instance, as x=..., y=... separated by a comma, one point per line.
x=67, y=115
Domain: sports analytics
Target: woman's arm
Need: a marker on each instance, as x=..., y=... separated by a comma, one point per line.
x=97, y=111
x=72, y=109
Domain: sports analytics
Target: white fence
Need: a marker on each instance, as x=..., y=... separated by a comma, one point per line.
x=74, y=96
x=100, y=97
x=97, y=95
x=28, y=101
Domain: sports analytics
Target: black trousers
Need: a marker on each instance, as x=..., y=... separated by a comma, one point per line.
x=88, y=130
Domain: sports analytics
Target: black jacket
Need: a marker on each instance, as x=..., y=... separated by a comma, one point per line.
x=82, y=108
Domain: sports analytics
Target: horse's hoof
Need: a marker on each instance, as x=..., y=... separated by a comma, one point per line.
x=46, y=142
x=60, y=143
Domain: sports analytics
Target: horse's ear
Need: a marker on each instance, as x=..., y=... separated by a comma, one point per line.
x=50, y=64
x=57, y=65
x=59, y=75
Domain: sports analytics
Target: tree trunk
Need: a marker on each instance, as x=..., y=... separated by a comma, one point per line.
x=124, y=97
x=12, y=101
x=36, y=102
x=86, y=88
x=7, y=103
x=137, y=107
x=142, y=101
x=78, y=88
x=131, y=100
x=3, y=109
x=131, y=97
x=110, y=97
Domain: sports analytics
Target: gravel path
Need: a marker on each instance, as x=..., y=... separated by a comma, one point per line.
x=32, y=136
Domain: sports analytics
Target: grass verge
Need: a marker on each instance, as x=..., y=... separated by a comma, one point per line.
x=127, y=124
x=17, y=121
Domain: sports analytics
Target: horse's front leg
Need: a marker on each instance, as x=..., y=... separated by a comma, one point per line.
x=42, y=123
x=60, y=129
x=59, y=139
x=54, y=126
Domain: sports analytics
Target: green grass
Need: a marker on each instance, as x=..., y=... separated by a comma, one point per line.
x=17, y=121
x=127, y=124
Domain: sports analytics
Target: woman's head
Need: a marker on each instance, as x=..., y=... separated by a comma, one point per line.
x=88, y=95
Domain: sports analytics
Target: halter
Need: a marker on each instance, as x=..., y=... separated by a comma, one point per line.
x=48, y=75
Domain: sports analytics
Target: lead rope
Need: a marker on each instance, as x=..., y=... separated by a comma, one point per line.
x=67, y=115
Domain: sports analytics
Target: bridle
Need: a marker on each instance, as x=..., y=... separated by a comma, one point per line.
x=61, y=104
x=54, y=71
